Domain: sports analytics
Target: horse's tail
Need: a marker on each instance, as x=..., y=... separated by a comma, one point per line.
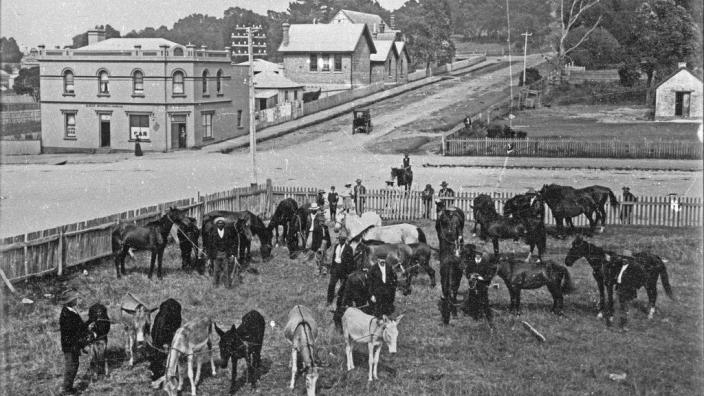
x=613, y=200
x=665, y=279
x=421, y=236
x=567, y=284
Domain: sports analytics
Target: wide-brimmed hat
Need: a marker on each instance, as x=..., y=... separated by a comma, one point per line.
x=68, y=296
x=219, y=219
x=314, y=206
x=321, y=191
x=428, y=186
x=389, y=182
x=358, y=180
x=531, y=190
x=627, y=253
x=348, y=185
x=626, y=189
x=443, y=184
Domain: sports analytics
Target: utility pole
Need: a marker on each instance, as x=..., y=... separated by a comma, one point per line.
x=525, y=51
x=510, y=71
x=249, y=41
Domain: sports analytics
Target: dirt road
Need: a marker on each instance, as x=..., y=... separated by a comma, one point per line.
x=41, y=196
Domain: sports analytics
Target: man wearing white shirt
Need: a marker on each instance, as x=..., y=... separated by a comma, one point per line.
x=382, y=288
x=342, y=266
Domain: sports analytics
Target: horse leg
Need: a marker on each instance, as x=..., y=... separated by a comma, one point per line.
x=610, y=301
x=651, y=288
x=495, y=242
x=159, y=257
x=555, y=290
x=118, y=257
x=431, y=273
x=600, y=284
x=517, y=293
x=152, y=261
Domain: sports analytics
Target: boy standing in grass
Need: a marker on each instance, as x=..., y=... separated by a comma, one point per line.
x=74, y=336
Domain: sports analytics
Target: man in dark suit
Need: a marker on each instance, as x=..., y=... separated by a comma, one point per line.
x=74, y=336
x=223, y=247
x=342, y=266
x=406, y=161
x=358, y=195
x=382, y=288
x=332, y=201
x=445, y=191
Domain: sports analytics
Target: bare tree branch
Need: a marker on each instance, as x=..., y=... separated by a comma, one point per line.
x=586, y=35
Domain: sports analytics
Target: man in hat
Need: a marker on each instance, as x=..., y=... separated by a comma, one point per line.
x=311, y=223
x=446, y=192
x=332, y=201
x=406, y=161
x=427, y=196
x=382, y=288
x=342, y=267
x=74, y=336
x=320, y=199
x=358, y=195
x=627, y=207
x=223, y=247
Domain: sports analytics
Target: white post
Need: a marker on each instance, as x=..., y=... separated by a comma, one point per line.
x=510, y=71
x=525, y=51
x=252, y=126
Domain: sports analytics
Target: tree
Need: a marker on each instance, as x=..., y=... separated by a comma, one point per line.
x=81, y=40
x=27, y=82
x=9, y=50
x=600, y=48
x=309, y=11
x=428, y=25
x=199, y=29
x=569, y=17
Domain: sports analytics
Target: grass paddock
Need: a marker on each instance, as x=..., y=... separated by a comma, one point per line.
x=660, y=356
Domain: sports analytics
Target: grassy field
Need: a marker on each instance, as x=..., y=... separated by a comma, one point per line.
x=662, y=356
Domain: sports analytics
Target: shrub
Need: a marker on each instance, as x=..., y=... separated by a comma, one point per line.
x=629, y=75
x=532, y=75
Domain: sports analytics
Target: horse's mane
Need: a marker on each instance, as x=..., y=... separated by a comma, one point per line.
x=361, y=234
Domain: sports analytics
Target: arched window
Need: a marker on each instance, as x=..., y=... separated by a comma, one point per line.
x=138, y=82
x=205, y=82
x=177, y=88
x=103, y=82
x=178, y=51
x=218, y=81
x=68, y=82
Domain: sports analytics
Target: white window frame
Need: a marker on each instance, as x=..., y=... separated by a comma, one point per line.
x=207, y=122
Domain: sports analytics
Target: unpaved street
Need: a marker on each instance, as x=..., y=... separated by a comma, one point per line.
x=37, y=196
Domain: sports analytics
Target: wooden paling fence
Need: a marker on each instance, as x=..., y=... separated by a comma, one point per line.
x=55, y=249
x=572, y=148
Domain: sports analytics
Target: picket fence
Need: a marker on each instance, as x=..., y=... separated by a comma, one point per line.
x=572, y=148
x=56, y=249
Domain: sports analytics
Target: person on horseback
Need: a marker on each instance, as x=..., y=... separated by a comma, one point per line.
x=427, y=196
x=446, y=192
x=406, y=162
x=382, y=288
x=332, y=201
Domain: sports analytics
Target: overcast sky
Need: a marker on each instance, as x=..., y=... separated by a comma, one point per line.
x=55, y=22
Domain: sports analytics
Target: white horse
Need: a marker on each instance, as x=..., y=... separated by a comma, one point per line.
x=397, y=233
x=354, y=224
x=360, y=327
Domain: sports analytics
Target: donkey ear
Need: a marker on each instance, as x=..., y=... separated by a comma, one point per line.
x=399, y=318
x=217, y=329
x=129, y=311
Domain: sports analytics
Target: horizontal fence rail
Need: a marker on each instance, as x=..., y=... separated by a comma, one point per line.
x=572, y=148
x=55, y=249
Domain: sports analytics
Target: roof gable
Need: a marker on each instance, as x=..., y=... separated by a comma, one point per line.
x=361, y=17
x=383, y=48
x=672, y=75
x=401, y=49
x=339, y=37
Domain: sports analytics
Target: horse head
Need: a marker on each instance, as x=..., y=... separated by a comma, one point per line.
x=579, y=249
x=175, y=215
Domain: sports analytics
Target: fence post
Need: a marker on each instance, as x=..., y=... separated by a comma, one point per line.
x=24, y=255
x=269, y=197
x=444, y=153
x=60, y=252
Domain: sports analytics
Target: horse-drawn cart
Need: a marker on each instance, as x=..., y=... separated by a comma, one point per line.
x=361, y=121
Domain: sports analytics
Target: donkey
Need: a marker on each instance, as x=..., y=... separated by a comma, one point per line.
x=360, y=327
x=301, y=331
x=243, y=342
x=137, y=325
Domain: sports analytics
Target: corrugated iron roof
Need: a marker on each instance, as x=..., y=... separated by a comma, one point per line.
x=266, y=94
x=382, y=50
x=125, y=44
x=268, y=79
x=261, y=65
x=362, y=17
x=338, y=37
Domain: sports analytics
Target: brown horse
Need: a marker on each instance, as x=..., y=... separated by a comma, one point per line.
x=565, y=202
x=600, y=195
x=404, y=177
x=152, y=236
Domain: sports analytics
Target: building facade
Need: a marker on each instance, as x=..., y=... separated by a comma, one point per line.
x=403, y=61
x=384, y=62
x=106, y=95
x=679, y=96
x=329, y=57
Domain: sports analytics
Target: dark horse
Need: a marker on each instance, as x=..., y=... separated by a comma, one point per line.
x=452, y=265
x=152, y=236
x=518, y=274
x=404, y=177
x=253, y=224
x=188, y=236
x=530, y=210
x=565, y=202
x=450, y=229
x=600, y=195
x=606, y=268
x=298, y=228
x=495, y=227
x=481, y=204
x=283, y=215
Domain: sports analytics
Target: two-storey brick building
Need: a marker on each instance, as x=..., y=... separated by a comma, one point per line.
x=331, y=57
x=105, y=95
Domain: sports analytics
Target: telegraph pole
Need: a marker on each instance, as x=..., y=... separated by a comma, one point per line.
x=250, y=42
x=525, y=51
x=510, y=71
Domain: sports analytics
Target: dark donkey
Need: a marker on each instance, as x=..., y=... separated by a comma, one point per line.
x=518, y=275
x=495, y=227
x=153, y=237
x=530, y=210
x=243, y=342
x=565, y=202
x=403, y=176
x=283, y=215
x=606, y=268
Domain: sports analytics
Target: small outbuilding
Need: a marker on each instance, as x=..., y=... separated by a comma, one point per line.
x=679, y=96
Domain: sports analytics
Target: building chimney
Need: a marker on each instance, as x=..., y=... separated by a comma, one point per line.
x=681, y=65
x=392, y=22
x=96, y=35
x=285, y=28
